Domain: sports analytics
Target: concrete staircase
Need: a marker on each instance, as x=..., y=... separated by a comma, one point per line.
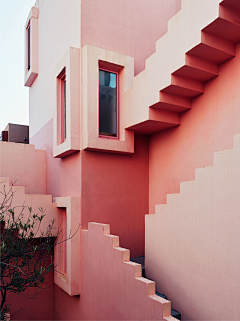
x=193, y=243
x=141, y=260
x=200, y=37
x=113, y=285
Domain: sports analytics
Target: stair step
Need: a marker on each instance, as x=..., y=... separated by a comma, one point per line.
x=184, y=86
x=173, y=102
x=198, y=69
x=139, y=260
x=175, y=314
x=213, y=48
x=161, y=295
x=159, y=119
x=227, y=26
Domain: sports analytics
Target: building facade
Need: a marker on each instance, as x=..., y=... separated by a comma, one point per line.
x=134, y=114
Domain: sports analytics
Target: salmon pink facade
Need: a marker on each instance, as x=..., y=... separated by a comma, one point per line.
x=134, y=118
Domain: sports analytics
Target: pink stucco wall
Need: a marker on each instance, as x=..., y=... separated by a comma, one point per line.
x=127, y=27
x=63, y=176
x=115, y=191
x=24, y=166
x=113, y=187
x=41, y=307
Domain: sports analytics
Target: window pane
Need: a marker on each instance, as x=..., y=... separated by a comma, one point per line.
x=107, y=103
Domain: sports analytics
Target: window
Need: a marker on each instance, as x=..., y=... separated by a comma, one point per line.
x=62, y=242
x=108, y=103
x=66, y=253
x=66, y=117
x=29, y=47
x=63, y=108
x=62, y=102
x=106, y=78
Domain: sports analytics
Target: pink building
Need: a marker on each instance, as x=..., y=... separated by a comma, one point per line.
x=135, y=118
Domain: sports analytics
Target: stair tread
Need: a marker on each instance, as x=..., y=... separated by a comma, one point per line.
x=161, y=295
x=176, y=314
x=139, y=259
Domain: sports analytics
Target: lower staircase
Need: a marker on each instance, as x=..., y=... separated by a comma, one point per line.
x=141, y=260
x=113, y=286
x=192, y=243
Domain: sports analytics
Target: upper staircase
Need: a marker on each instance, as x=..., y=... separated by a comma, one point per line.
x=200, y=37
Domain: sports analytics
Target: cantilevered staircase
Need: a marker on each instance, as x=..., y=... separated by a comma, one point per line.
x=200, y=37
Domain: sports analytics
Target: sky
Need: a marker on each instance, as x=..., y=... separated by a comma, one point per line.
x=14, y=104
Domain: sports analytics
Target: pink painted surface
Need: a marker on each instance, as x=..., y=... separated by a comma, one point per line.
x=126, y=27
x=193, y=242
x=112, y=287
x=113, y=187
x=61, y=173
x=115, y=191
x=24, y=165
x=40, y=308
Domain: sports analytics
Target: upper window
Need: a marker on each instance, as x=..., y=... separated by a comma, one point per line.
x=29, y=47
x=108, y=103
x=61, y=89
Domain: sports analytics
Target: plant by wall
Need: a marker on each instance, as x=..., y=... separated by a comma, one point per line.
x=25, y=259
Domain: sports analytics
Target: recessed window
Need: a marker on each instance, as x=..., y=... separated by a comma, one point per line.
x=62, y=242
x=108, y=103
x=62, y=82
x=63, y=108
x=29, y=47
x=66, y=117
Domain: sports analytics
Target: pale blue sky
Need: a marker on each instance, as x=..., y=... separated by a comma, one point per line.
x=13, y=95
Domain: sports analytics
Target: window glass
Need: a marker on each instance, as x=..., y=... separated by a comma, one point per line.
x=107, y=103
